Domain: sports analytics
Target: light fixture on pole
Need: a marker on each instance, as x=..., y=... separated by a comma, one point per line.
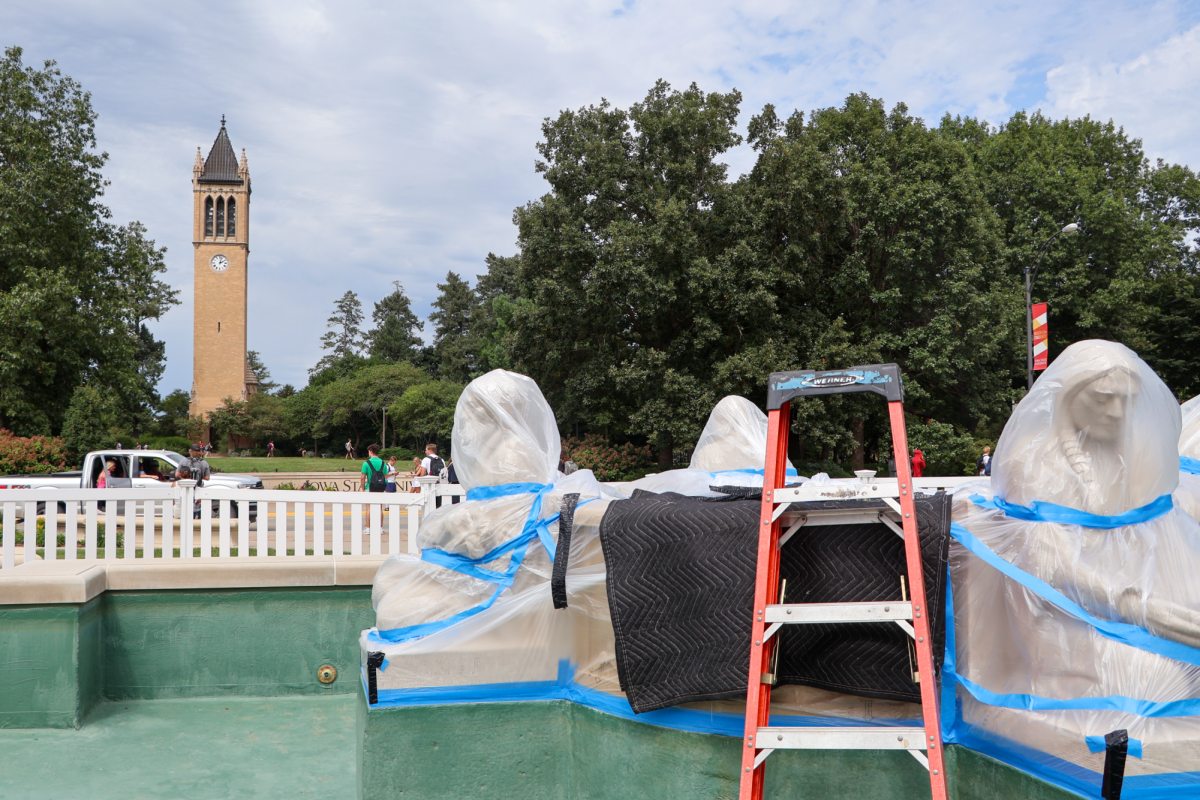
x=1030, y=274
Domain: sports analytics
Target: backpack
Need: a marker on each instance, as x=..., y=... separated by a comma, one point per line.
x=376, y=479
x=438, y=467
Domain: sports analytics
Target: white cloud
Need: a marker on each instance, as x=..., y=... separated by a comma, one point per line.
x=392, y=141
x=1152, y=95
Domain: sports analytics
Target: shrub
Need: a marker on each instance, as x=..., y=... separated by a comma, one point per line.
x=403, y=454
x=610, y=462
x=35, y=455
x=833, y=470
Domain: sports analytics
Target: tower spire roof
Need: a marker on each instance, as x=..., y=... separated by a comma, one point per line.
x=221, y=166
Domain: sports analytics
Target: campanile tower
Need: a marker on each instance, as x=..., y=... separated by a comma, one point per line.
x=221, y=239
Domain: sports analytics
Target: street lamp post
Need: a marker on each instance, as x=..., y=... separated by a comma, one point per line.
x=1029, y=276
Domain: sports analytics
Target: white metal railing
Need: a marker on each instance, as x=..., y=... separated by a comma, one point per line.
x=216, y=522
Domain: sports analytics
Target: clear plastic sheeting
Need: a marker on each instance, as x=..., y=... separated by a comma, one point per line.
x=734, y=438
x=479, y=551
x=1075, y=599
x=731, y=451
x=504, y=432
x=1189, y=437
x=1188, y=493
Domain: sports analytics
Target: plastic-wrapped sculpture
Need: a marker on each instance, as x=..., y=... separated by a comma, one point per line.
x=1188, y=493
x=501, y=540
x=731, y=451
x=1076, y=599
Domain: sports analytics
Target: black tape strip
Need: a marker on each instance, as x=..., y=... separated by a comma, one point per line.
x=374, y=662
x=562, y=550
x=1116, y=748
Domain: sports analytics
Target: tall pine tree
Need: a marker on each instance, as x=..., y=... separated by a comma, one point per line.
x=453, y=342
x=343, y=342
x=394, y=337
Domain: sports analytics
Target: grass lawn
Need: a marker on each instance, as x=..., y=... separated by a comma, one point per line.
x=281, y=464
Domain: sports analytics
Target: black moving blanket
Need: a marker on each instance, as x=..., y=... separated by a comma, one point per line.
x=681, y=594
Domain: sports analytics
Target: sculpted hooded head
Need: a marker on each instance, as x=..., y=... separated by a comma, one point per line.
x=1098, y=433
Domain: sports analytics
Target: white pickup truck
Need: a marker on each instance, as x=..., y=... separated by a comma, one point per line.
x=134, y=469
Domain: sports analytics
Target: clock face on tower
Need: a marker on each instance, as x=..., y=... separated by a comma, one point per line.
x=219, y=263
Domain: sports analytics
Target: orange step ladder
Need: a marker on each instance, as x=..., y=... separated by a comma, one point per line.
x=924, y=743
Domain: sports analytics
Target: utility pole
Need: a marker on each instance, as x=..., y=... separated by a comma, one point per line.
x=1029, y=276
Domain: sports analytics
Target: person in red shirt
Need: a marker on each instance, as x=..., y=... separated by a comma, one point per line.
x=918, y=464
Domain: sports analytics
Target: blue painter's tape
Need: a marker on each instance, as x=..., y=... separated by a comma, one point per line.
x=1096, y=744
x=505, y=490
x=1051, y=512
x=1122, y=632
x=1189, y=465
x=397, y=635
x=564, y=687
x=1116, y=702
x=790, y=471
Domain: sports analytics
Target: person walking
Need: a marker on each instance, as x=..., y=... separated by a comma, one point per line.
x=374, y=472
x=918, y=464
x=981, y=466
x=270, y=449
x=350, y=450
x=392, y=472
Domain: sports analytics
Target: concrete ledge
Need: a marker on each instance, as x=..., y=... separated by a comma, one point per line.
x=47, y=583
x=52, y=582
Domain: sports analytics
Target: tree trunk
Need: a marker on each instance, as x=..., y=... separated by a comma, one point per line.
x=857, y=459
x=666, y=452
x=799, y=449
x=824, y=453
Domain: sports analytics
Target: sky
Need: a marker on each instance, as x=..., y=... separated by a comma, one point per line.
x=392, y=141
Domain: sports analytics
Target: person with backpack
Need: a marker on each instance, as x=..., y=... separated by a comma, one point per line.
x=981, y=466
x=431, y=463
x=434, y=466
x=374, y=471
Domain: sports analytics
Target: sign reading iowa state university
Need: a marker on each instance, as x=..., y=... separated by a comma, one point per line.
x=1041, y=336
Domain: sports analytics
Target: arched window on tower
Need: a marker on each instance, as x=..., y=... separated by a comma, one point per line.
x=231, y=218
x=208, y=216
x=220, y=216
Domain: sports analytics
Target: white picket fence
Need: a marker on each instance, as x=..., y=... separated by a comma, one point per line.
x=146, y=523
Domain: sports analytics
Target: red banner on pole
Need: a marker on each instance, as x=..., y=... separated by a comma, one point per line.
x=1041, y=336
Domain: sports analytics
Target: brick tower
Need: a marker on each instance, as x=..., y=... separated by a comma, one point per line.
x=221, y=238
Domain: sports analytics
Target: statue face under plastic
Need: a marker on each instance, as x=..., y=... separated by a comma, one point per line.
x=1098, y=408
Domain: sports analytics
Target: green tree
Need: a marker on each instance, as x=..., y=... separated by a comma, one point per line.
x=394, y=337
x=453, y=343
x=876, y=244
x=88, y=423
x=75, y=290
x=618, y=261
x=173, y=414
x=1136, y=218
x=492, y=324
x=302, y=418
x=357, y=401
x=265, y=384
x=425, y=412
x=343, y=342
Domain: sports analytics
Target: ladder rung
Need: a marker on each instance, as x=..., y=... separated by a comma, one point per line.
x=809, y=613
x=838, y=738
